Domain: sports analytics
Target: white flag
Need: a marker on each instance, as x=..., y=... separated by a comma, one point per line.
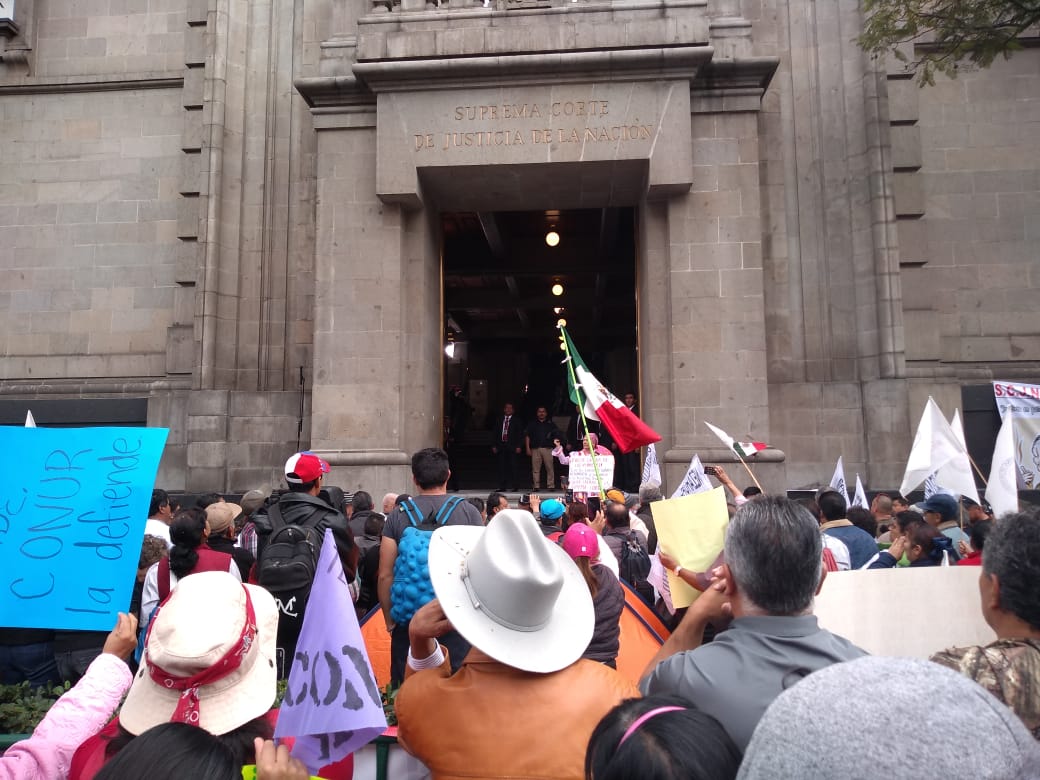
x=838, y=479
x=956, y=478
x=937, y=450
x=695, y=481
x=30, y=421
x=651, y=468
x=1002, y=490
x=931, y=486
x=860, y=499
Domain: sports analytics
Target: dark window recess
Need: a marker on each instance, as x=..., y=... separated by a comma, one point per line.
x=76, y=412
x=981, y=425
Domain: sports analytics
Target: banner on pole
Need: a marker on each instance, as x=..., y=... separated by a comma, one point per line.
x=1023, y=403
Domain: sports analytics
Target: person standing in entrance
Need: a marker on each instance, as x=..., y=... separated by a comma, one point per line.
x=627, y=471
x=539, y=436
x=508, y=433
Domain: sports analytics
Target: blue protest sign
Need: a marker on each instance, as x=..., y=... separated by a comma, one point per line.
x=73, y=504
x=332, y=704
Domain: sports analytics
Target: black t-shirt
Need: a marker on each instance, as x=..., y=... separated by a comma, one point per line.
x=463, y=514
x=542, y=434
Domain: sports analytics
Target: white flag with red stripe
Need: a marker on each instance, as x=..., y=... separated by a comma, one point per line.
x=744, y=449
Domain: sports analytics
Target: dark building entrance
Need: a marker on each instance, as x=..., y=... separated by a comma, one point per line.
x=509, y=278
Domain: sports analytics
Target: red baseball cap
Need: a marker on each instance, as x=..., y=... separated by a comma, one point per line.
x=304, y=467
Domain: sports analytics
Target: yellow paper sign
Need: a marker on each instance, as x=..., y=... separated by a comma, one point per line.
x=692, y=530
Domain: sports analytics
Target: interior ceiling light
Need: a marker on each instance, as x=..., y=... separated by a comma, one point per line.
x=557, y=289
x=561, y=322
x=563, y=346
x=552, y=238
x=558, y=310
x=449, y=350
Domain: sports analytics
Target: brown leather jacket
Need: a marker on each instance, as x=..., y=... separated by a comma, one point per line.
x=490, y=720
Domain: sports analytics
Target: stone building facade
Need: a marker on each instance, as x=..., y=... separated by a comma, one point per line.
x=229, y=208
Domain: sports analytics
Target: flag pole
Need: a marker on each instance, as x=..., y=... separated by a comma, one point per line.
x=749, y=471
x=978, y=471
x=581, y=408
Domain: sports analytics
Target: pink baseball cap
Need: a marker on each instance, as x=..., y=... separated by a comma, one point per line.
x=304, y=467
x=581, y=541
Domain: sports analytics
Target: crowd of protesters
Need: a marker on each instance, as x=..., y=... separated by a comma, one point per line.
x=508, y=663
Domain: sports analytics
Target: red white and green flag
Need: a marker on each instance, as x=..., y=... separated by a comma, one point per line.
x=744, y=449
x=628, y=431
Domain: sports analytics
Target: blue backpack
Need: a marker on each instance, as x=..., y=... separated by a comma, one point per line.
x=412, y=587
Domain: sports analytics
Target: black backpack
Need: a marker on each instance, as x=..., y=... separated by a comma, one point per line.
x=288, y=562
x=634, y=565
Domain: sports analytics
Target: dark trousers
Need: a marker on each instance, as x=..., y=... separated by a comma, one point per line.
x=457, y=650
x=506, y=466
x=629, y=472
x=34, y=663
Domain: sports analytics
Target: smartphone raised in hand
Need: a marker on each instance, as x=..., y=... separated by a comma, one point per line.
x=711, y=470
x=595, y=504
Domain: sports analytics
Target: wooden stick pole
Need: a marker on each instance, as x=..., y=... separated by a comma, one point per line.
x=749, y=471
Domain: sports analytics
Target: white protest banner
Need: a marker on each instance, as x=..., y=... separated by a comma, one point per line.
x=838, y=479
x=858, y=606
x=651, y=468
x=860, y=498
x=1001, y=492
x=937, y=450
x=582, y=475
x=1023, y=402
x=695, y=481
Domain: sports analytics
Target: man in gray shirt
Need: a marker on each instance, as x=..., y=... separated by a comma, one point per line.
x=772, y=572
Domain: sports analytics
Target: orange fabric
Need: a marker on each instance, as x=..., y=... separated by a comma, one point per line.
x=639, y=643
x=377, y=643
x=642, y=634
x=489, y=720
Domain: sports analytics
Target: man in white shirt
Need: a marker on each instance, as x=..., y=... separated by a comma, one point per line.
x=160, y=515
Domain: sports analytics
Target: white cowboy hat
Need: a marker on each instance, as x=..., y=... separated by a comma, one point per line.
x=512, y=593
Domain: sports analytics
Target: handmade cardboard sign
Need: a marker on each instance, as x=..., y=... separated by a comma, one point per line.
x=582, y=475
x=72, y=510
x=692, y=530
x=905, y=612
x=331, y=705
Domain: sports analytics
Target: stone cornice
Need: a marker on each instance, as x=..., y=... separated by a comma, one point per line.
x=326, y=92
x=640, y=64
x=732, y=85
x=59, y=86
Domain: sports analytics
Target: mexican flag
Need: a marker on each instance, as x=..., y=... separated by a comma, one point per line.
x=744, y=449
x=600, y=404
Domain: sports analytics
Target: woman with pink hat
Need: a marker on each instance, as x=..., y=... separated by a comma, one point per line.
x=608, y=599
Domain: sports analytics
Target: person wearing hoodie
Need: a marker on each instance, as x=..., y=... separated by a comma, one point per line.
x=923, y=544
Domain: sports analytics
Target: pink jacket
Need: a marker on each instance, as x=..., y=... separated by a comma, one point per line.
x=77, y=715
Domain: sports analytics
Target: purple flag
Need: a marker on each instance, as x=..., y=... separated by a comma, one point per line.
x=332, y=705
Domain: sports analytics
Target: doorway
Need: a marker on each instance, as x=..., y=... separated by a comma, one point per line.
x=509, y=277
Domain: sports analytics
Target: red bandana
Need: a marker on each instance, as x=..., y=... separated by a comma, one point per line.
x=187, y=710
